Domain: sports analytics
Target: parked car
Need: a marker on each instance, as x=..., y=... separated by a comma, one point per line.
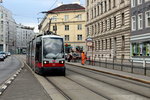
x=8, y=53
x=1, y=57
x=4, y=54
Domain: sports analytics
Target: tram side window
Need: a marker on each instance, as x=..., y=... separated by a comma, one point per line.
x=38, y=52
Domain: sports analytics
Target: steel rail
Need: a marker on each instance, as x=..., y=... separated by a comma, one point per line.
x=57, y=88
x=110, y=84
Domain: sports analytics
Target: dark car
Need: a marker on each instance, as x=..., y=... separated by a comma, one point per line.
x=1, y=57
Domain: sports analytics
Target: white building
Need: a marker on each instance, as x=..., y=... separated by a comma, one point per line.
x=24, y=35
x=7, y=30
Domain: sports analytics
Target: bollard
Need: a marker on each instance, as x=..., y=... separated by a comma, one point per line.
x=106, y=62
x=132, y=66
x=121, y=64
x=99, y=61
x=113, y=63
x=144, y=66
x=89, y=60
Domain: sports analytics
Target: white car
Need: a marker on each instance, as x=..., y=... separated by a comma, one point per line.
x=8, y=53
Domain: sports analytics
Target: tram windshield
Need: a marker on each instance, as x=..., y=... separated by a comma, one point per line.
x=53, y=48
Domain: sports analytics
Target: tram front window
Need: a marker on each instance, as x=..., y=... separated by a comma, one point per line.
x=53, y=48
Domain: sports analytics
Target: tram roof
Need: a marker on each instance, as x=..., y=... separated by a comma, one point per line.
x=57, y=36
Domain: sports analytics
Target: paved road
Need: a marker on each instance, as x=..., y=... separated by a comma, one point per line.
x=8, y=67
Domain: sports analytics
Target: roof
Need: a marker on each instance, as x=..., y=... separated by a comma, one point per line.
x=67, y=7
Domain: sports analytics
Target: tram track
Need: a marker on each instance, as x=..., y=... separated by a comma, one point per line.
x=72, y=95
x=90, y=89
x=146, y=85
x=58, y=89
x=134, y=92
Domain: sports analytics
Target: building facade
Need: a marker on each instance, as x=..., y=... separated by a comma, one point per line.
x=24, y=35
x=68, y=21
x=7, y=31
x=140, y=30
x=108, y=24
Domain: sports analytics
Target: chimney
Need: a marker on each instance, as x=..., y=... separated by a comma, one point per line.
x=76, y=2
x=59, y=4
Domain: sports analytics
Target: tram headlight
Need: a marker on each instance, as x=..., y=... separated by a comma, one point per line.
x=62, y=62
x=45, y=62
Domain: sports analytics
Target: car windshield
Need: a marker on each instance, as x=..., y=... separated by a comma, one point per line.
x=53, y=48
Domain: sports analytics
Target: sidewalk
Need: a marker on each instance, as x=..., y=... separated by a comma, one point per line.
x=25, y=87
x=136, y=77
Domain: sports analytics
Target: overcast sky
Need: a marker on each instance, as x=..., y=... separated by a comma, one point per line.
x=26, y=12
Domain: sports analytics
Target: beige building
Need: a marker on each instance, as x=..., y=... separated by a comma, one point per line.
x=68, y=21
x=108, y=24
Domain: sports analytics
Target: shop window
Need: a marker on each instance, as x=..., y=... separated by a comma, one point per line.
x=141, y=49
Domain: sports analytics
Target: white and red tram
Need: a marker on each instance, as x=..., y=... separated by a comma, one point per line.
x=45, y=53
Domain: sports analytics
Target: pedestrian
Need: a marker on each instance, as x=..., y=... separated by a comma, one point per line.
x=83, y=58
x=69, y=57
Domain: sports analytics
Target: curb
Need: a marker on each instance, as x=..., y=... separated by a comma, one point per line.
x=5, y=85
x=119, y=75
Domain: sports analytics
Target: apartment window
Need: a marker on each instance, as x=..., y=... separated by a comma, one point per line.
x=87, y=2
x=55, y=28
x=79, y=17
x=66, y=27
x=102, y=44
x=105, y=5
x=95, y=45
x=79, y=27
x=110, y=23
x=114, y=3
x=98, y=10
x=133, y=23
x=105, y=25
x=92, y=14
x=115, y=22
x=88, y=33
x=110, y=43
x=66, y=17
x=140, y=21
x=139, y=2
x=101, y=26
x=106, y=44
x=87, y=16
x=122, y=18
x=66, y=37
x=2, y=26
x=147, y=19
x=92, y=30
x=98, y=45
x=122, y=1
x=101, y=7
x=95, y=12
x=123, y=43
x=109, y=1
x=95, y=28
x=79, y=37
x=2, y=15
x=133, y=3
x=98, y=28
x=54, y=18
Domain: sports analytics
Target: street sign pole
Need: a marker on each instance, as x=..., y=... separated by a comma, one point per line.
x=90, y=44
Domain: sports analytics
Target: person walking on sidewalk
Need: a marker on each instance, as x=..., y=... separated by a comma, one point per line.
x=83, y=58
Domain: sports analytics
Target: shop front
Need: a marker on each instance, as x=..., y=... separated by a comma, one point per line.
x=140, y=47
